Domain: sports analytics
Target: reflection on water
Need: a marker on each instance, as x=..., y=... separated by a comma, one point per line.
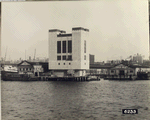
x=99, y=100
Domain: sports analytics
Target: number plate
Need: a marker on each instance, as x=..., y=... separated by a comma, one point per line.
x=129, y=111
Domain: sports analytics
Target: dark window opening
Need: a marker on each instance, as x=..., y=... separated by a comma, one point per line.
x=131, y=71
x=121, y=72
x=58, y=63
x=69, y=46
x=69, y=63
x=58, y=46
x=84, y=57
x=64, y=63
x=69, y=57
x=36, y=74
x=64, y=46
x=58, y=57
x=84, y=46
x=112, y=71
x=64, y=57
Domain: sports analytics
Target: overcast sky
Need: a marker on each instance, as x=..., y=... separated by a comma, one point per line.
x=117, y=28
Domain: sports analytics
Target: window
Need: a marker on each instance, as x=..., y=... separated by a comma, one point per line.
x=84, y=46
x=58, y=46
x=69, y=57
x=112, y=71
x=58, y=57
x=69, y=63
x=58, y=63
x=69, y=46
x=64, y=57
x=64, y=63
x=64, y=46
x=84, y=57
x=131, y=71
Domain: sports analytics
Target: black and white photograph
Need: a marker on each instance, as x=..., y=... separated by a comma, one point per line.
x=75, y=60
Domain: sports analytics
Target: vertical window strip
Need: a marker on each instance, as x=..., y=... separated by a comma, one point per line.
x=69, y=46
x=58, y=46
x=84, y=46
x=84, y=57
x=64, y=46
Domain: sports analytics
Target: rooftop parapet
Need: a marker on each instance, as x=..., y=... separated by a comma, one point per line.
x=57, y=30
x=64, y=35
x=80, y=28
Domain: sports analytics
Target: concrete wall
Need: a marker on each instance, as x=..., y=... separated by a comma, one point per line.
x=78, y=63
x=52, y=49
x=53, y=62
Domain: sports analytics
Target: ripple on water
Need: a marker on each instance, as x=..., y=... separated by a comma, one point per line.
x=75, y=100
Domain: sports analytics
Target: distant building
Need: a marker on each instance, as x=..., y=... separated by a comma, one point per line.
x=137, y=59
x=92, y=59
x=120, y=70
x=29, y=58
x=114, y=61
x=146, y=62
x=100, y=63
x=69, y=52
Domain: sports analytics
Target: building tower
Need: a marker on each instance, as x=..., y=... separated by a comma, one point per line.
x=69, y=52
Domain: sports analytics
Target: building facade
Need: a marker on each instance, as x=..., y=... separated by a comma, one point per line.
x=25, y=67
x=92, y=59
x=138, y=59
x=69, y=52
x=35, y=68
x=119, y=71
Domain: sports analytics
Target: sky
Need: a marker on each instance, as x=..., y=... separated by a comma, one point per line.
x=118, y=28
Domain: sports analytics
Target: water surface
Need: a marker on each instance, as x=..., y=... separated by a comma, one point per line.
x=97, y=100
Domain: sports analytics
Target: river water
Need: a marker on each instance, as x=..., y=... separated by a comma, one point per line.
x=55, y=100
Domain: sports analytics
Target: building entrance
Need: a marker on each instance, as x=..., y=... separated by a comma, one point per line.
x=36, y=74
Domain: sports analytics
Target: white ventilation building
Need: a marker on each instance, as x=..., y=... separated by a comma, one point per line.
x=69, y=53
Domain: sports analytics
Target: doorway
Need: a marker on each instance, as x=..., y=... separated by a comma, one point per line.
x=36, y=74
x=121, y=72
